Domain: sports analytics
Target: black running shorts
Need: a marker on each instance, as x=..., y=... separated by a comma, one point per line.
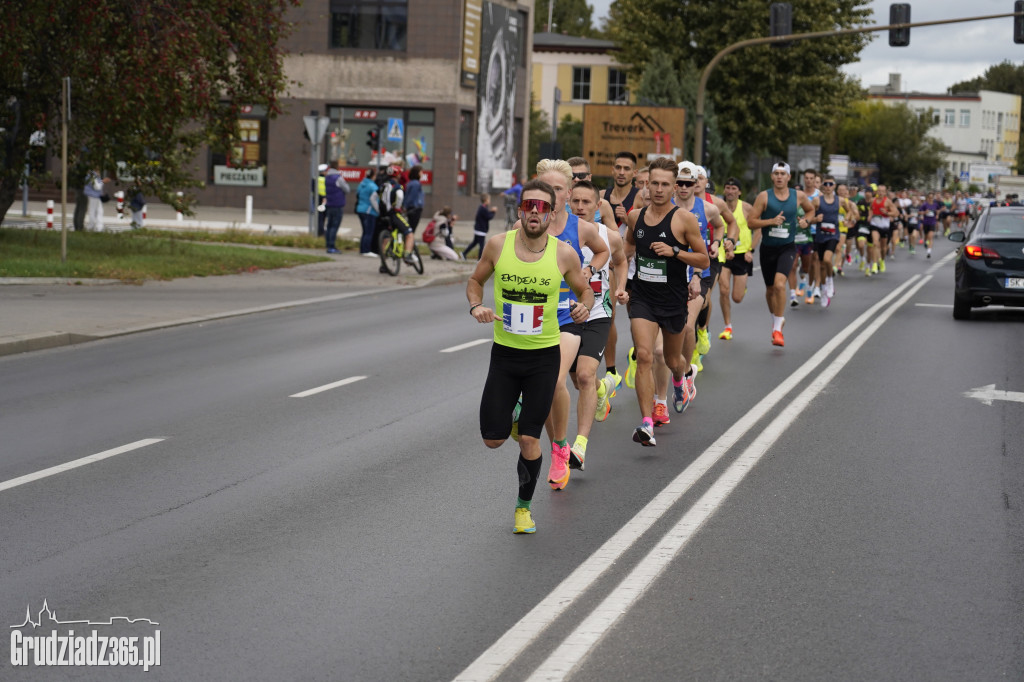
x=822, y=247
x=593, y=338
x=671, y=321
x=739, y=266
x=776, y=260
x=514, y=371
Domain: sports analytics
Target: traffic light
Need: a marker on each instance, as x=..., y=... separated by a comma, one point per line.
x=780, y=22
x=899, y=13
x=373, y=139
x=1018, y=22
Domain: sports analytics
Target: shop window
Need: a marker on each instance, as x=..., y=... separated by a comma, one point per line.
x=245, y=164
x=411, y=141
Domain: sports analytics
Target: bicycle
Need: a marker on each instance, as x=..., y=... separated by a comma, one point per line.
x=391, y=245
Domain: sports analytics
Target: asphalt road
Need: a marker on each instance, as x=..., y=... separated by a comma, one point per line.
x=838, y=509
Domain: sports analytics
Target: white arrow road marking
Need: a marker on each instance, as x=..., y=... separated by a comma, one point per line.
x=986, y=394
x=326, y=387
x=464, y=346
x=28, y=478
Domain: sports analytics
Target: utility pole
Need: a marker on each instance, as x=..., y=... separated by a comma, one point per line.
x=698, y=138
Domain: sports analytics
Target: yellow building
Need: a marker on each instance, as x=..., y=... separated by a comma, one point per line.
x=583, y=69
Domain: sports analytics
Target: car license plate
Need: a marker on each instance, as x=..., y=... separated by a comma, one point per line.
x=1015, y=282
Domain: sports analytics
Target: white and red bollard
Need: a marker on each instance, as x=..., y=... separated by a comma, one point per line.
x=119, y=195
x=49, y=214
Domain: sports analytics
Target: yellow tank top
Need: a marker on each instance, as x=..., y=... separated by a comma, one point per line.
x=744, y=242
x=526, y=297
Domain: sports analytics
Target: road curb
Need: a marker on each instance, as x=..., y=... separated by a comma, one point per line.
x=45, y=341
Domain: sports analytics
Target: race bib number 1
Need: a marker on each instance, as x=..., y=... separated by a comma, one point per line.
x=522, y=319
x=652, y=269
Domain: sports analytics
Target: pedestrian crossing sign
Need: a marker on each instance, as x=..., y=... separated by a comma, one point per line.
x=396, y=130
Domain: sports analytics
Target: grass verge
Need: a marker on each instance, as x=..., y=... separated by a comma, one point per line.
x=130, y=256
x=240, y=236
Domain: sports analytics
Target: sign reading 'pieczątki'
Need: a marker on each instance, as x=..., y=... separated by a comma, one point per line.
x=648, y=132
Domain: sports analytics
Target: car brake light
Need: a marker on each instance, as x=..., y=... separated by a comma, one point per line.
x=974, y=252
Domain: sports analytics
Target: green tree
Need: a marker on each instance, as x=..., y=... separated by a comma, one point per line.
x=571, y=17
x=152, y=82
x=570, y=136
x=540, y=133
x=894, y=138
x=765, y=97
x=662, y=84
x=1003, y=77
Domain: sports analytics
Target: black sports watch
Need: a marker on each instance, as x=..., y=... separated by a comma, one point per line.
x=675, y=251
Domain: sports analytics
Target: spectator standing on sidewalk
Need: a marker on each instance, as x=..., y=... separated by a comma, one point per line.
x=137, y=203
x=481, y=225
x=94, y=191
x=414, y=197
x=367, y=210
x=321, y=199
x=335, y=190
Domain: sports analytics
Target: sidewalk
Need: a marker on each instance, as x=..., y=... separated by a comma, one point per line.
x=38, y=314
x=164, y=216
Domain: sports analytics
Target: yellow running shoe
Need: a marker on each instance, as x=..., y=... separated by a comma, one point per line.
x=881, y=265
x=524, y=522
x=726, y=334
x=631, y=369
x=605, y=391
x=695, y=361
x=615, y=383
x=703, y=342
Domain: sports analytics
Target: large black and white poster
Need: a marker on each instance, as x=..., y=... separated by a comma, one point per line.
x=501, y=31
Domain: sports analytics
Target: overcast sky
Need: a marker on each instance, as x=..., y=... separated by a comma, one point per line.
x=938, y=56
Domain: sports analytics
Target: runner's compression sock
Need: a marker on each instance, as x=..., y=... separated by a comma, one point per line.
x=777, y=323
x=562, y=443
x=529, y=469
x=702, y=317
x=611, y=369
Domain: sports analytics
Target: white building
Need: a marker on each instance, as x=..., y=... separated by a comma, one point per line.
x=980, y=128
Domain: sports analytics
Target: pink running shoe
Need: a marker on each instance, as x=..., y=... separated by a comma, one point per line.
x=558, y=473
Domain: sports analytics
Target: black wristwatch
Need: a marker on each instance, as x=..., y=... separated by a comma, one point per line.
x=675, y=251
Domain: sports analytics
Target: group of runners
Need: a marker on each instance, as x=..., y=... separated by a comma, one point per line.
x=654, y=244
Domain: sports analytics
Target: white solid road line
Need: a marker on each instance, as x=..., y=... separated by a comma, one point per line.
x=464, y=346
x=326, y=387
x=500, y=654
x=934, y=305
x=579, y=643
x=60, y=468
